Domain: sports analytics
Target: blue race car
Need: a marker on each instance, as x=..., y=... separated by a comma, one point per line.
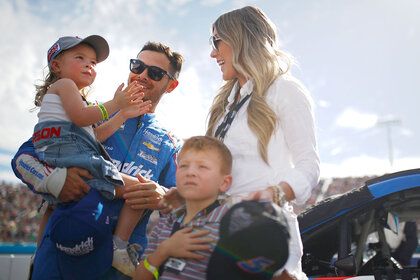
x=349, y=235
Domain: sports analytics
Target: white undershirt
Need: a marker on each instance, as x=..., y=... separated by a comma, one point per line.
x=52, y=110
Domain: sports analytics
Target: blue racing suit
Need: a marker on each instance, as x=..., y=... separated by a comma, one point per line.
x=140, y=145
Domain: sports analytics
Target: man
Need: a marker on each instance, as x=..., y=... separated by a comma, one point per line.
x=139, y=147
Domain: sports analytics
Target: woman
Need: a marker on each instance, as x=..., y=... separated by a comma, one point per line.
x=265, y=117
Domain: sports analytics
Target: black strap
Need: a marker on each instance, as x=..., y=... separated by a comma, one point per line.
x=227, y=121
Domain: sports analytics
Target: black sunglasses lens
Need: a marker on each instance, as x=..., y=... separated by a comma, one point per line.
x=215, y=43
x=155, y=73
x=136, y=66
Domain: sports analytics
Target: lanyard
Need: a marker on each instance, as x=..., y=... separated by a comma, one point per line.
x=227, y=121
x=205, y=211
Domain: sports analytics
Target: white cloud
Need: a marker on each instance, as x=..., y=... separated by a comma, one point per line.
x=185, y=109
x=336, y=151
x=179, y=2
x=406, y=132
x=353, y=119
x=366, y=166
x=32, y=26
x=209, y=3
x=323, y=103
x=9, y=177
x=5, y=159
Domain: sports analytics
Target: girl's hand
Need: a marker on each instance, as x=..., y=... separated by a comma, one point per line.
x=184, y=242
x=131, y=95
x=135, y=109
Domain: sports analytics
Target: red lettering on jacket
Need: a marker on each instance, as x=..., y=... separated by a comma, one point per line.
x=47, y=132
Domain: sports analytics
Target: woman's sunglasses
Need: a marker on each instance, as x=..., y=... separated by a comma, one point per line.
x=155, y=73
x=214, y=42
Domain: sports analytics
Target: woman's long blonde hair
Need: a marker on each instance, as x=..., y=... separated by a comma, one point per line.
x=252, y=38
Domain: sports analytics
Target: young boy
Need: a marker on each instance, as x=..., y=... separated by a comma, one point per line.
x=182, y=242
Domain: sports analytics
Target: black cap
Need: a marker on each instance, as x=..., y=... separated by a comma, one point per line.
x=253, y=244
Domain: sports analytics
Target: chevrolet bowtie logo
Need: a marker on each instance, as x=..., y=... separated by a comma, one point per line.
x=150, y=146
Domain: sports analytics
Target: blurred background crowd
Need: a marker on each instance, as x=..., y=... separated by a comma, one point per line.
x=19, y=215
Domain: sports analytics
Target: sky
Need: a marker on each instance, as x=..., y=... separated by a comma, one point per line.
x=359, y=60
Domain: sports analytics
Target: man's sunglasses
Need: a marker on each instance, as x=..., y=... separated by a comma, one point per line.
x=214, y=42
x=155, y=73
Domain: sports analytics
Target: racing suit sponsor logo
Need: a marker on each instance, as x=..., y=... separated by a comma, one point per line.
x=254, y=265
x=109, y=148
x=47, y=132
x=133, y=170
x=98, y=211
x=150, y=146
x=83, y=248
x=31, y=169
x=147, y=157
x=55, y=48
x=153, y=138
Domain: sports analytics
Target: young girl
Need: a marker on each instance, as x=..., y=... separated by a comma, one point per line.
x=66, y=134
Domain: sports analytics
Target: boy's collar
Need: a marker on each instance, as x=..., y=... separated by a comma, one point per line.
x=180, y=212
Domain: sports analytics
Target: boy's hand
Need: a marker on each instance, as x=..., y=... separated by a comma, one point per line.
x=131, y=95
x=184, y=242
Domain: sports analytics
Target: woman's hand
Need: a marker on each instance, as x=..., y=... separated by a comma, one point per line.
x=266, y=194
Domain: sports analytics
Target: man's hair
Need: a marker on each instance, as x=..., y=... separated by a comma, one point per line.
x=207, y=143
x=175, y=59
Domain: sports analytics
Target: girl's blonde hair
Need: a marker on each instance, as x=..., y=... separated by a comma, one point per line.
x=252, y=38
x=41, y=89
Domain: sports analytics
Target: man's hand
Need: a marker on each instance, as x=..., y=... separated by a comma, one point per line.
x=171, y=200
x=144, y=195
x=75, y=188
